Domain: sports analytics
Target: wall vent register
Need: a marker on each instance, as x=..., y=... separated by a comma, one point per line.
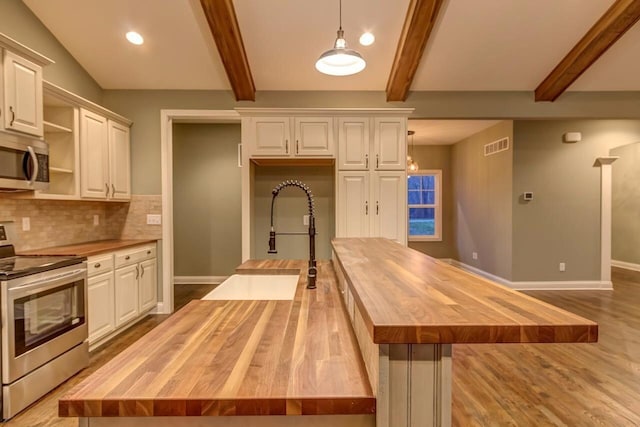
x=495, y=147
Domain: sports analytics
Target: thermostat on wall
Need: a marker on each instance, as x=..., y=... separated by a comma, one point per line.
x=527, y=195
x=573, y=137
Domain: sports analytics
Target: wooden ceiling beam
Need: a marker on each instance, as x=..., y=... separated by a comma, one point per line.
x=421, y=16
x=621, y=16
x=221, y=17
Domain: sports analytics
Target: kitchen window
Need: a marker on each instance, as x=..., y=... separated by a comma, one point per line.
x=425, y=205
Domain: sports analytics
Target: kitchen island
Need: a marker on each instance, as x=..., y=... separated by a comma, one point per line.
x=380, y=357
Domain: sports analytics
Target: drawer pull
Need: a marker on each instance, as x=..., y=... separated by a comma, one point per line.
x=96, y=265
x=127, y=258
x=149, y=252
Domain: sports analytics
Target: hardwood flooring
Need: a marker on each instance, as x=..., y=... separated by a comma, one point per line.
x=44, y=412
x=538, y=385
x=558, y=384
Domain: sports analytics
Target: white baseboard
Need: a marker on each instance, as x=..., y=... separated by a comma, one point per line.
x=625, y=265
x=199, y=280
x=564, y=285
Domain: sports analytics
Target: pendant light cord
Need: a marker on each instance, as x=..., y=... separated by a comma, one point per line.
x=340, y=14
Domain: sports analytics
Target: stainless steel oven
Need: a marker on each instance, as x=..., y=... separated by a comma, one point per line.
x=43, y=310
x=24, y=163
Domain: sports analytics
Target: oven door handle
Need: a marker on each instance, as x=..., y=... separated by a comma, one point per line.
x=47, y=283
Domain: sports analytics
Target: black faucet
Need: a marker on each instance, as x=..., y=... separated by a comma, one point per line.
x=313, y=270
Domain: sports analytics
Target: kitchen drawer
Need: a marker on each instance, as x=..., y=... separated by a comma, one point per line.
x=99, y=264
x=135, y=255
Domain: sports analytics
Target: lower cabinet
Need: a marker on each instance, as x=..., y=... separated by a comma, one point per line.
x=122, y=287
x=372, y=204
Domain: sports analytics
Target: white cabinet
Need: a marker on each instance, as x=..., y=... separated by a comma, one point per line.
x=372, y=178
x=387, y=150
x=354, y=145
x=390, y=143
x=126, y=293
x=148, y=282
x=372, y=204
x=390, y=210
x=136, y=282
x=22, y=109
x=100, y=288
x=291, y=136
x=122, y=288
x=105, y=171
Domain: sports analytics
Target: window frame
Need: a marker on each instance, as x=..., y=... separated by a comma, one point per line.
x=437, y=206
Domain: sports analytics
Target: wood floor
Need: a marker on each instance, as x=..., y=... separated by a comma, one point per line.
x=558, y=384
x=495, y=385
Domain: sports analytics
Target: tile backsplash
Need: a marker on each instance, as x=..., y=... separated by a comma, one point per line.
x=63, y=222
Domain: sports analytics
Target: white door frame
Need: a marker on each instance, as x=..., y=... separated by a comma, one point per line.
x=605, y=217
x=167, y=118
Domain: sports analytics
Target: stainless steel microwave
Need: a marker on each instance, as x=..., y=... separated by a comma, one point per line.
x=24, y=163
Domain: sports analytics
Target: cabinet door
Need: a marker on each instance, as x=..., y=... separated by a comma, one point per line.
x=148, y=285
x=314, y=136
x=126, y=293
x=101, y=305
x=353, y=204
x=390, y=210
x=119, y=161
x=271, y=136
x=94, y=156
x=353, y=143
x=22, y=95
x=390, y=143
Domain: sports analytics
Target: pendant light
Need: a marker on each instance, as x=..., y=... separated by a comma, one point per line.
x=411, y=165
x=340, y=61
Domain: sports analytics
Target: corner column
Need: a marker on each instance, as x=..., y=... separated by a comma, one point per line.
x=605, y=216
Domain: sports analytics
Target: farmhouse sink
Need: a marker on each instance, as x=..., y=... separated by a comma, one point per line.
x=255, y=287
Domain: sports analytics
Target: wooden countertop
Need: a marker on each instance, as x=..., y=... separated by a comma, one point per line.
x=88, y=248
x=238, y=358
x=406, y=296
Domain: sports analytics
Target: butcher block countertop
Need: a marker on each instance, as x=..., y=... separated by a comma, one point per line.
x=405, y=296
x=238, y=358
x=88, y=248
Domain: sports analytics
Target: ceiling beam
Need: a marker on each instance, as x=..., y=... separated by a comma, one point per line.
x=421, y=16
x=621, y=16
x=221, y=17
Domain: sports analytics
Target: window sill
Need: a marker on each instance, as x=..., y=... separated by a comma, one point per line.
x=424, y=239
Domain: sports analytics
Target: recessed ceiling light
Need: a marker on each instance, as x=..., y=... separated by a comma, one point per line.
x=135, y=38
x=367, y=39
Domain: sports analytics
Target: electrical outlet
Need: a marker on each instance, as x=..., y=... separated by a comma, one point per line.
x=305, y=219
x=154, y=219
x=562, y=266
x=474, y=255
x=96, y=220
x=26, y=223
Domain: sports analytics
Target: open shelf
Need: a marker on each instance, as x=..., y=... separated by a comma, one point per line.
x=59, y=170
x=52, y=127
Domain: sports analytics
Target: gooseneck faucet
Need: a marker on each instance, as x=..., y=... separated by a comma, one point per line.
x=313, y=270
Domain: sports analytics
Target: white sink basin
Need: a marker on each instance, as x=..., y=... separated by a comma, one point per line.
x=255, y=287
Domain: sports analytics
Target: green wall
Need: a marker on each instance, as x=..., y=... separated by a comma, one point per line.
x=290, y=207
x=206, y=199
x=482, y=198
x=625, y=239
x=18, y=22
x=562, y=222
x=438, y=157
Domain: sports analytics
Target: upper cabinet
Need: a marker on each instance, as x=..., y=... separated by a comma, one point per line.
x=290, y=136
x=22, y=106
x=105, y=169
x=377, y=143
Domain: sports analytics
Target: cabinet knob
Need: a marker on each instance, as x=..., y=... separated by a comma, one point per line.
x=149, y=252
x=297, y=146
x=286, y=146
x=127, y=257
x=366, y=161
x=377, y=161
x=366, y=207
x=96, y=265
x=113, y=190
x=13, y=116
x=106, y=193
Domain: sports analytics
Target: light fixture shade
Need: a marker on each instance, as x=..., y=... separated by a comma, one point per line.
x=340, y=62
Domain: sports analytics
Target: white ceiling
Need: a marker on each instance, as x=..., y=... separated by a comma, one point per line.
x=476, y=45
x=445, y=132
